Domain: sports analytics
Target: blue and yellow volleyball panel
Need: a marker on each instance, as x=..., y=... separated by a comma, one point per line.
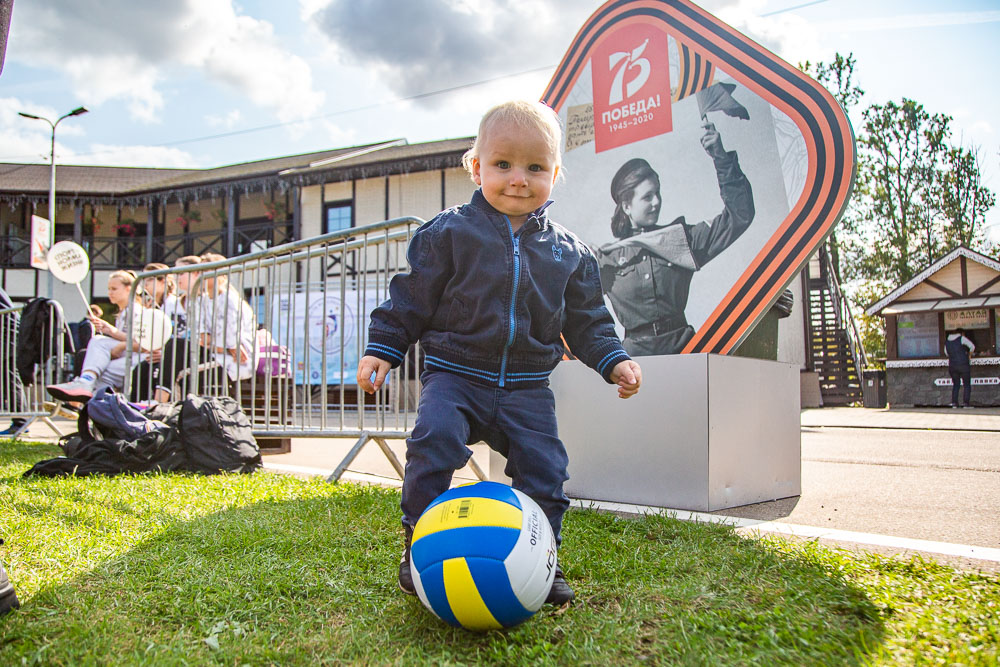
x=479, y=556
x=472, y=593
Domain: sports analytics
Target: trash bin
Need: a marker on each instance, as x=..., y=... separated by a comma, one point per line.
x=873, y=392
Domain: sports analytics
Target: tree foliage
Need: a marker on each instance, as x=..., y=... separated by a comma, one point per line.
x=962, y=199
x=901, y=148
x=917, y=195
x=838, y=77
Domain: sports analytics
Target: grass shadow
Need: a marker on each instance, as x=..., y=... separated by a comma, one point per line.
x=307, y=575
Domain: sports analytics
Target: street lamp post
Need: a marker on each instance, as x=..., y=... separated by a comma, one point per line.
x=52, y=172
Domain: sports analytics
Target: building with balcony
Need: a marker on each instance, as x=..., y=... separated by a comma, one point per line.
x=126, y=217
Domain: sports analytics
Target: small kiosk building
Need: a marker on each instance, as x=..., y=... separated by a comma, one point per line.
x=958, y=291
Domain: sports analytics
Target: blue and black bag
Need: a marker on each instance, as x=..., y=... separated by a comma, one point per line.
x=117, y=419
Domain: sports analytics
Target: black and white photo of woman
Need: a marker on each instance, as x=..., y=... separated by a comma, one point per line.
x=647, y=272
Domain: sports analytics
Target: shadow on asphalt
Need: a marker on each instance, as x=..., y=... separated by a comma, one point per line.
x=769, y=511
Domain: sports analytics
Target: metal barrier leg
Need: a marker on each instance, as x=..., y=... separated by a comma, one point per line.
x=342, y=466
x=45, y=419
x=356, y=449
x=24, y=428
x=477, y=470
x=48, y=422
x=389, y=454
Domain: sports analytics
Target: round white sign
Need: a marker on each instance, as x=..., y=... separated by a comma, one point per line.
x=68, y=262
x=150, y=328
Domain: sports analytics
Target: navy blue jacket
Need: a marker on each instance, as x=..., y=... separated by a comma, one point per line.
x=490, y=304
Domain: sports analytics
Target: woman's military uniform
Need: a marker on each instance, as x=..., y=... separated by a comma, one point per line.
x=648, y=275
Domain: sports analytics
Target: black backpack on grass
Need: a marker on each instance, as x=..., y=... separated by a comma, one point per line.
x=206, y=435
x=217, y=435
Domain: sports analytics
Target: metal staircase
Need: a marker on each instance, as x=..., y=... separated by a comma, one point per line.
x=835, y=351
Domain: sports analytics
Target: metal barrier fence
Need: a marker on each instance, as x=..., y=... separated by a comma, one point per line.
x=52, y=363
x=292, y=364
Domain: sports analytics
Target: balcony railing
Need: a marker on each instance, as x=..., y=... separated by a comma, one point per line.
x=251, y=237
x=125, y=252
x=129, y=252
x=15, y=252
x=168, y=249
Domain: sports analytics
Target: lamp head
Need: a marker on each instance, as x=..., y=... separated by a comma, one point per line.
x=78, y=111
x=29, y=115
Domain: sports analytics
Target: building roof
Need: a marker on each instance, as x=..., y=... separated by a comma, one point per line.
x=244, y=170
x=134, y=185
x=952, y=302
x=77, y=180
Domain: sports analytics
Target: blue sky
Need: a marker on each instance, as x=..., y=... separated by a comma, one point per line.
x=168, y=83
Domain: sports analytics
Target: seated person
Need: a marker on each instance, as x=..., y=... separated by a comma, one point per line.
x=227, y=326
x=159, y=292
x=104, y=363
x=176, y=351
x=223, y=321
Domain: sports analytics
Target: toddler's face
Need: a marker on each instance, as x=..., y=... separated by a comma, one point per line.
x=516, y=170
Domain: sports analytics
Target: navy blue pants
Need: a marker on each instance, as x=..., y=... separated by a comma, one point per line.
x=964, y=378
x=520, y=424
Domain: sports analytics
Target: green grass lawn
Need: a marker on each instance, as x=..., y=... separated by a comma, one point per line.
x=265, y=568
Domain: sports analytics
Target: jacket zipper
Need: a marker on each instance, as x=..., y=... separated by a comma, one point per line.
x=512, y=322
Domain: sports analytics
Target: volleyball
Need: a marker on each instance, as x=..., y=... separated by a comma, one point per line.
x=483, y=557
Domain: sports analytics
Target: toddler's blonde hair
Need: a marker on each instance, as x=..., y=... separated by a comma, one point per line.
x=523, y=114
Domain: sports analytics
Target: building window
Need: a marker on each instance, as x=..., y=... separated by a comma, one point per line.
x=337, y=216
x=917, y=335
x=974, y=324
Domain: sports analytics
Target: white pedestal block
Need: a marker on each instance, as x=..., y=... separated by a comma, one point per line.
x=705, y=433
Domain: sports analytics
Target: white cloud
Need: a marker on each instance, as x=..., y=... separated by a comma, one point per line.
x=122, y=49
x=123, y=77
x=981, y=127
x=27, y=140
x=424, y=46
x=138, y=156
x=437, y=44
x=788, y=36
x=227, y=121
x=337, y=135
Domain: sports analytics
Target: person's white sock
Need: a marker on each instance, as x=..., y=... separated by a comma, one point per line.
x=89, y=377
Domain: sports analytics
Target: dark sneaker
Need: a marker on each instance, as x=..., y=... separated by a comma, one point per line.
x=76, y=390
x=15, y=427
x=405, y=578
x=560, y=593
x=8, y=600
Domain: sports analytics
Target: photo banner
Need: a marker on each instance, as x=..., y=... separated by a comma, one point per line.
x=41, y=241
x=318, y=327
x=702, y=169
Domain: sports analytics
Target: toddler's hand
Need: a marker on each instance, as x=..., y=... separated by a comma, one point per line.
x=372, y=365
x=628, y=376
